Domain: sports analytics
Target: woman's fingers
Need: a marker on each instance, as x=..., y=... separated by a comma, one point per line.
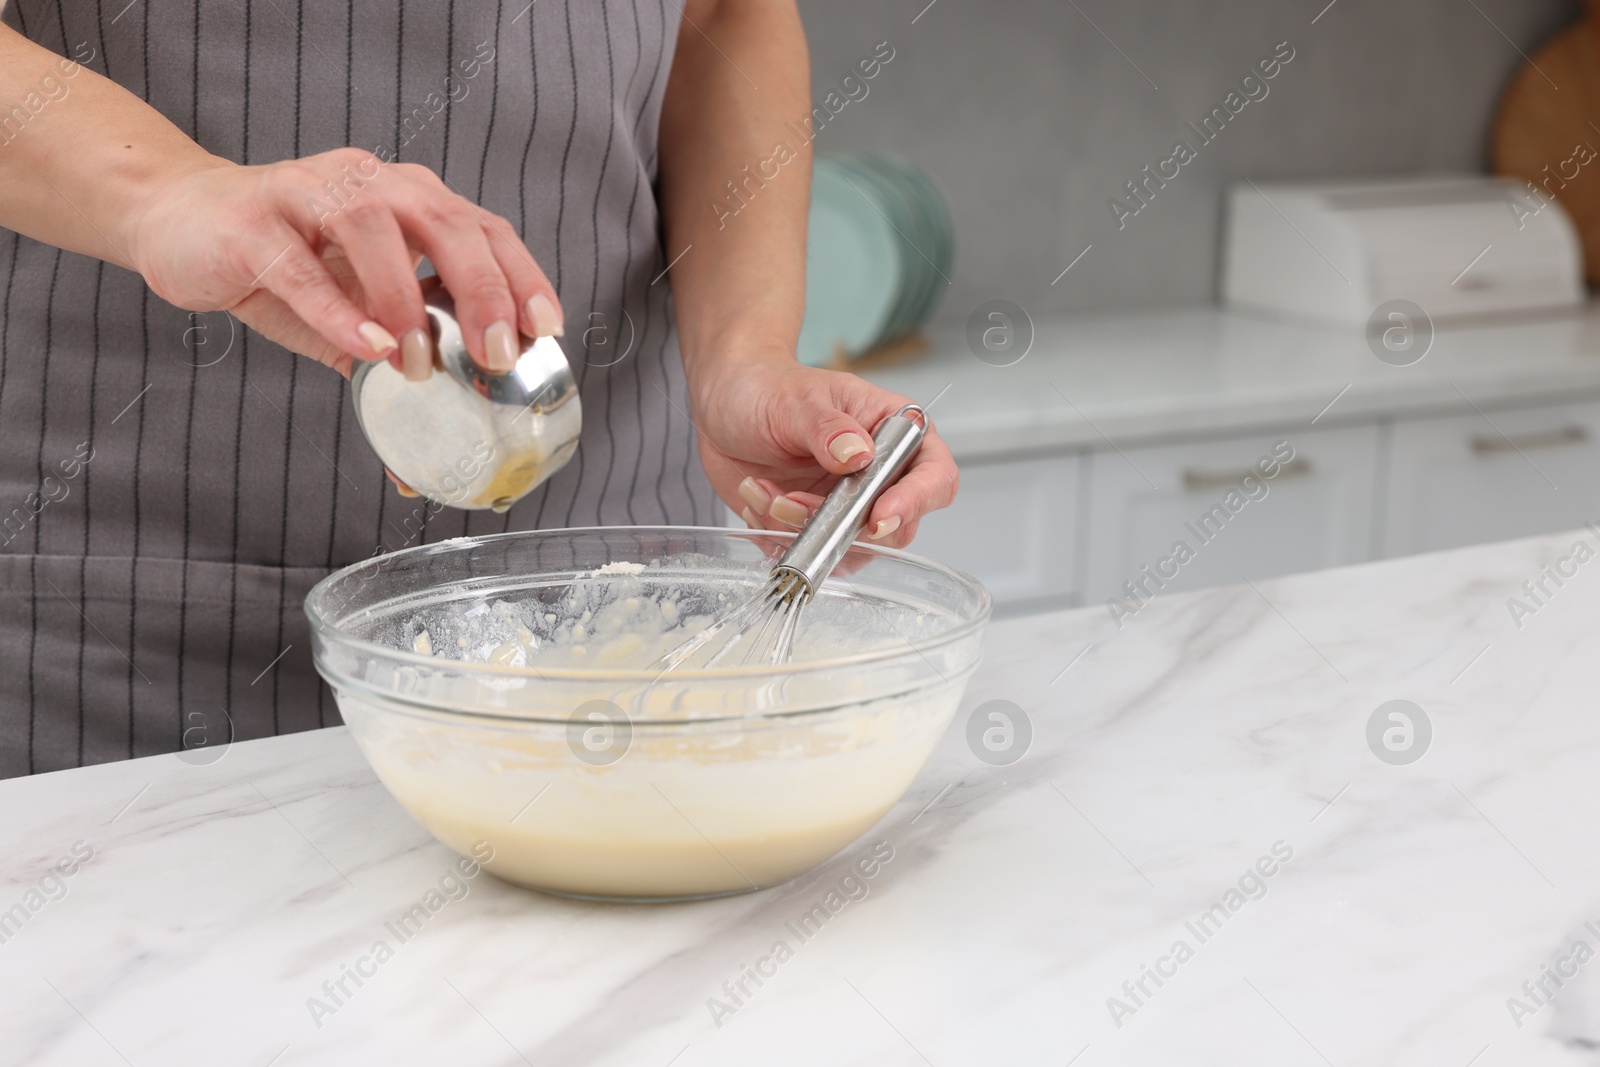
x=269, y=316
x=537, y=304
x=791, y=511
x=297, y=276
x=816, y=422
x=773, y=507
x=929, y=484
x=450, y=231
x=898, y=538
x=222, y=235
x=756, y=496
x=375, y=250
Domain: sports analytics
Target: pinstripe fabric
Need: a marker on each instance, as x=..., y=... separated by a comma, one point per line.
x=155, y=586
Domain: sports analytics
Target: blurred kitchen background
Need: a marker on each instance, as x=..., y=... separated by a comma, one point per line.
x=1121, y=394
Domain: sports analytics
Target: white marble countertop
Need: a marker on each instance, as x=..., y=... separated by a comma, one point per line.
x=1155, y=375
x=1167, y=760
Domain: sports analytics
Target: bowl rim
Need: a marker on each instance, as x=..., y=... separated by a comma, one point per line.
x=328, y=632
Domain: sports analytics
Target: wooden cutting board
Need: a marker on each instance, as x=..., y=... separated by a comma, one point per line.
x=1548, y=129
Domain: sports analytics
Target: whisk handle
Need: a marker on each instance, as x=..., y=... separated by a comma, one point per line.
x=843, y=515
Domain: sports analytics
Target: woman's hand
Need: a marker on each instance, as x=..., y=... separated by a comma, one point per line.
x=118, y=181
x=776, y=435
x=268, y=315
x=320, y=255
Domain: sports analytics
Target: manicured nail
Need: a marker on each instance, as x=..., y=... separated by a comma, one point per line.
x=788, y=512
x=846, y=445
x=378, y=339
x=543, y=315
x=500, y=344
x=884, y=528
x=751, y=493
x=405, y=490
x=416, y=355
x=749, y=518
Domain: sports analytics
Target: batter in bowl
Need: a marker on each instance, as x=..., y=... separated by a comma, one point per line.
x=696, y=811
x=670, y=798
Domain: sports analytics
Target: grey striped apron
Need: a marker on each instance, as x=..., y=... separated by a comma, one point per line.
x=171, y=485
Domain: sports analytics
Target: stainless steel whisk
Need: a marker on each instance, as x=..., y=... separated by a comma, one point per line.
x=761, y=630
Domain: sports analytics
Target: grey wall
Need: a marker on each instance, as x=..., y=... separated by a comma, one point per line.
x=1031, y=119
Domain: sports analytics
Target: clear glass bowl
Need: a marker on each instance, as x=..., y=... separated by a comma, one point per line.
x=506, y=694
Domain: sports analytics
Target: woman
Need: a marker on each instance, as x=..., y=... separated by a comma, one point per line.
x=171, y=483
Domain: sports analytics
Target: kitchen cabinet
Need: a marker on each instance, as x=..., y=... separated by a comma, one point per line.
x=1491, y=476
x=1315, y=510
x=1015, y=528
x=1394, y=460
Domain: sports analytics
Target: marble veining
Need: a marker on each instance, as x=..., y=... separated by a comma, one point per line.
x=1013, y=914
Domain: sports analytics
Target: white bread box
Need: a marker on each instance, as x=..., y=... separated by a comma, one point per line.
x=1455, y=246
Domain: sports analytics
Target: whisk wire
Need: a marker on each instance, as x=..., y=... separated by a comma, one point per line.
x=784, y=645
x=680, y=655
x=778, y=609
x=762, y=627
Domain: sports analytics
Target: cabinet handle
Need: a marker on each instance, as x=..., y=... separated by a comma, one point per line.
x=1194, y=480
x=1484, y=445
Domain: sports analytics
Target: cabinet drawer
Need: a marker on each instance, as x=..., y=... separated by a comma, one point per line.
x=1468, y=479
x=1315, y=510
x=1013, y=526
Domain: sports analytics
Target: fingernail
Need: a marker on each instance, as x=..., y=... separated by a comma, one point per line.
x=884, y=528
x=378, y=339
x=749, y=518
x=416, y=355
x=846, y=445
x=788, y=512
x=543, y=315
x=752, y=493
x=500, y=344
x=405, y=490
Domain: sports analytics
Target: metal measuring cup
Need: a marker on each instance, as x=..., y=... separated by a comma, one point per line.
x=467, y=438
